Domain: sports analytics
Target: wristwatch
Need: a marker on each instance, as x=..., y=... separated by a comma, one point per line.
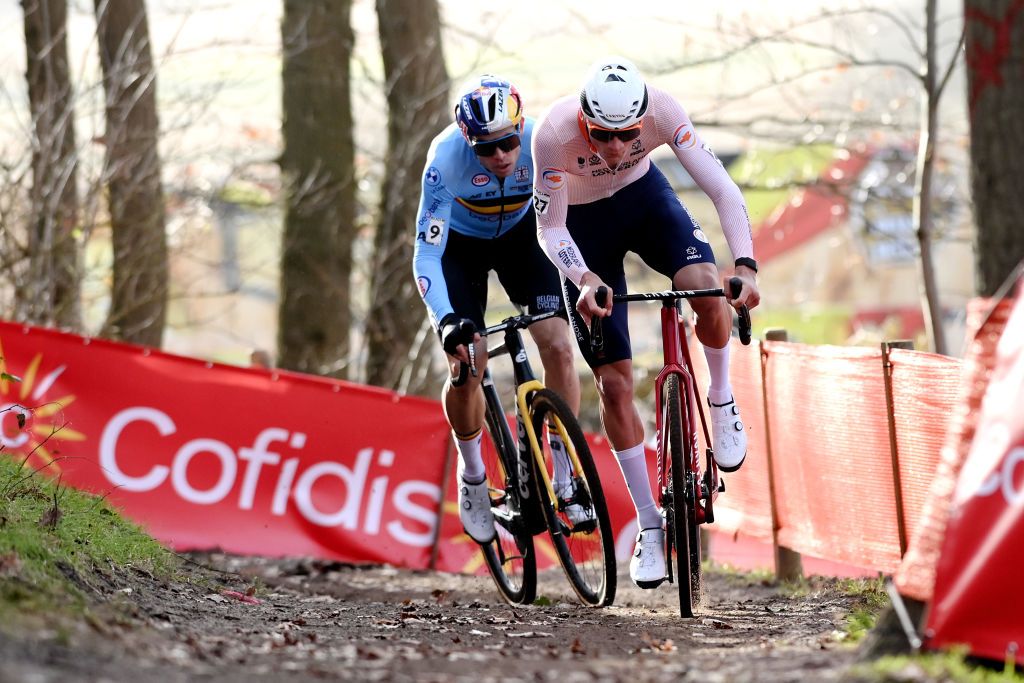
x=748, y=262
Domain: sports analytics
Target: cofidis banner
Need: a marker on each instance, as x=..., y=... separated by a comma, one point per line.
x=977, y=585
x=206, y=455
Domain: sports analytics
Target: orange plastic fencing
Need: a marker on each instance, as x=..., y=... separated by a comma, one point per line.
x=834, y=491
x=828, y=427
x=985, y=323
x=925, y=389
x=746, y=506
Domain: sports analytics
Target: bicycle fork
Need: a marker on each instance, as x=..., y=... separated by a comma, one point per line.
x=530, y=440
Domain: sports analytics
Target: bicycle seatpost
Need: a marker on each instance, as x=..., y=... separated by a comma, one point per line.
x=596, y=324
x=735, y=287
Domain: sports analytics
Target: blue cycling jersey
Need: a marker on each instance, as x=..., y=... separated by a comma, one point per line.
x=460, y=194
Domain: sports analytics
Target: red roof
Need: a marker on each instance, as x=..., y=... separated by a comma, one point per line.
x=810, y=211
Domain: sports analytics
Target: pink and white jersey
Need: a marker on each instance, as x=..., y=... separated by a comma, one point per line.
x=568, y=170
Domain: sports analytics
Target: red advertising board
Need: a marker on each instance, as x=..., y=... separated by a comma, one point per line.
x=975, y=599
x=206, y=455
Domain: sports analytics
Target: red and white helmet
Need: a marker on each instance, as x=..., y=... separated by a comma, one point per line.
x=614, y=95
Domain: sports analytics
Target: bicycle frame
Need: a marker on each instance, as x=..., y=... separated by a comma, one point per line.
x=526, y=384
x=677, y=361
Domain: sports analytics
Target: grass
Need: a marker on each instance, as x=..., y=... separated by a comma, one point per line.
x=53, y=538
x=944, y=666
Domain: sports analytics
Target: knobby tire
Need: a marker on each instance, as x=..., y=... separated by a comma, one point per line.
x=683, y=521
x=510, y=557
x=586, y=556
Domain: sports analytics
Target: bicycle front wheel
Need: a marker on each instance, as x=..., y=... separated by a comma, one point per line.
x=682, y=518
x=510, y=556
x=577, y=519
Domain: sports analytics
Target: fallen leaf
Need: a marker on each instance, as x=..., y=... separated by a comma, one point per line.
x=242, y=597
x=717, y=624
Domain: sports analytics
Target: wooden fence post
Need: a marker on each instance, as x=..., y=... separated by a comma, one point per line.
x=890, y=415
x=788, y=565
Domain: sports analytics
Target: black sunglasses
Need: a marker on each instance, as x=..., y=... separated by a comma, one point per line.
x=488, y=148
x=603, y=135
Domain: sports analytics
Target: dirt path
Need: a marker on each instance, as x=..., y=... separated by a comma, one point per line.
x=319, y=621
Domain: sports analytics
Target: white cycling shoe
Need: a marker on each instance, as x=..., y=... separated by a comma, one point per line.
x=729, y=435
x=475, y=511
x=647, y=566
x=576, y=513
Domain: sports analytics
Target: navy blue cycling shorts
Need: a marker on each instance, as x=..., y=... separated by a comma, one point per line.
x=523, y=269
x=646, y=218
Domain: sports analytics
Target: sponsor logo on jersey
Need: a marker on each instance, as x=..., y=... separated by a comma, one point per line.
x=594, y=160
x=707, y=149
x=568, y=257
x=699, y=234
x=424, y=285
x=581, y=162
x=522, y=174
x=548, y=302
x=630, y=163
x=684, y=137
x=691, y=253
x=562, y=244
x=481, y=179
x=554, y=178
x=432, y=176
x=541, y=202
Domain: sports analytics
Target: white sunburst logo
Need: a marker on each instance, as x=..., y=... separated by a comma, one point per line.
x=28, y=420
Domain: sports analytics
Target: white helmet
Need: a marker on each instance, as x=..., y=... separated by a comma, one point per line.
x=614, y=95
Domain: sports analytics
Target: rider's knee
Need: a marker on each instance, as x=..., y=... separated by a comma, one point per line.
x=615, y=387
x=557, y=353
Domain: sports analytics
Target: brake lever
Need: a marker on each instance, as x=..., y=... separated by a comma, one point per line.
x=596, y=324
x=735, y=287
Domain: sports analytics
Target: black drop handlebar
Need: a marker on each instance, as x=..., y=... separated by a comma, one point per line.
x=601, y=298
x=515, y=322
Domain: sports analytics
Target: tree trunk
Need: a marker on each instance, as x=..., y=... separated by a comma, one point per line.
x=995, y=96
x=138, y=305
x=417, y=94
x=49, y=294
x=930, y=304
x=317, y=163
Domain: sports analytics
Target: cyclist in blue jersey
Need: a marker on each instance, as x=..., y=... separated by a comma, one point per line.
x=476, y=215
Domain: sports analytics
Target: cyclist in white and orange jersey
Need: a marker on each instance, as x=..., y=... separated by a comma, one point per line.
x=597, y=195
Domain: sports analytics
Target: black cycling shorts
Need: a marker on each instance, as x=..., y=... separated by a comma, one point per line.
x=647, y=218
x=526, y=273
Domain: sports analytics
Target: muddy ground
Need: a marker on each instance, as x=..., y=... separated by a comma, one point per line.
x=309, y=621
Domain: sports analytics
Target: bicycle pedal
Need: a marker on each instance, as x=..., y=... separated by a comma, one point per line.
x=585, y=527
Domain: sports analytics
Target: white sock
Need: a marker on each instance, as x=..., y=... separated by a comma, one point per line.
x=471, y=465
x=562, y=467
x=719, y=390
x=634, y=470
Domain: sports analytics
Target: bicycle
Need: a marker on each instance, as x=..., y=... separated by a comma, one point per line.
x=687, y=492
x=523, y=498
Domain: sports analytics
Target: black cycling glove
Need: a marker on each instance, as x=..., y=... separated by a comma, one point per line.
x=455, y=332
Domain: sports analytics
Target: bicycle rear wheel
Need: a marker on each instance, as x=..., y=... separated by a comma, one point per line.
x=585, y=546
x=682, y=515
x=510, y=556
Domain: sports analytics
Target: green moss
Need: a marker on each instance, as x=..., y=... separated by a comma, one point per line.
x=53, y=539
x=945, y=666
